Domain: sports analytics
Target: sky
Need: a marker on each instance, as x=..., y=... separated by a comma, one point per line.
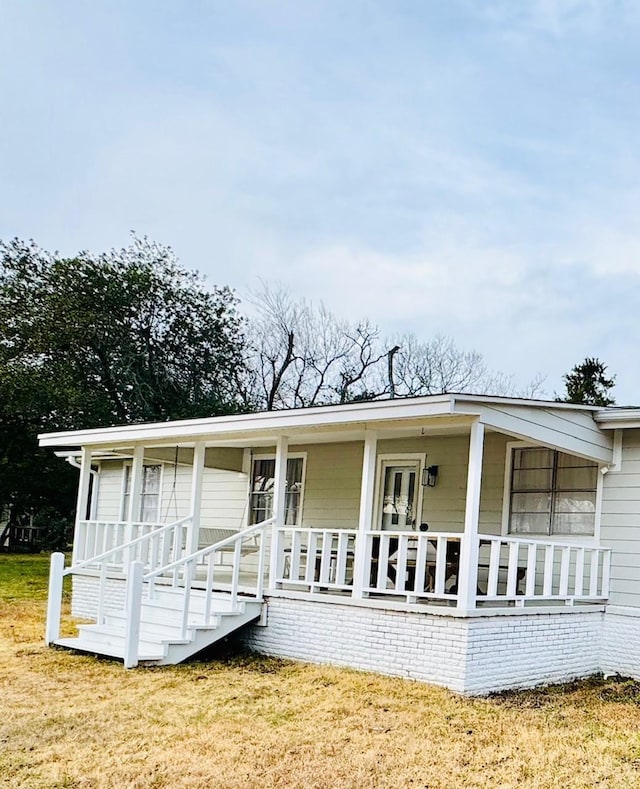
x=460, y=167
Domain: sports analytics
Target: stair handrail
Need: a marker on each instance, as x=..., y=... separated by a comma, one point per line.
x=188, y=564
x=216, y=546
x=125, y=545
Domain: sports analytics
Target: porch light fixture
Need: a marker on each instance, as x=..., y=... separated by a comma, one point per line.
x=429, y=476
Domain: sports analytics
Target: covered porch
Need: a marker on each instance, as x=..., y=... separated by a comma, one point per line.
x=399, y=504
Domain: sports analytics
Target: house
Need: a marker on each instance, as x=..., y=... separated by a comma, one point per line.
x=475, y=542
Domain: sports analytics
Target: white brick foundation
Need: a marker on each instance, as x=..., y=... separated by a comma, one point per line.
x=470, y=655
x=621, y=642
x=473, y=655
x=523, y=651
x=428, y=648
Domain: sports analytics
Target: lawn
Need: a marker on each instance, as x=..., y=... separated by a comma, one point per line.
x=81, y=723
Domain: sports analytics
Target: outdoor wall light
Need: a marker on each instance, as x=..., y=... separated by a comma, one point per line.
x=429, y=476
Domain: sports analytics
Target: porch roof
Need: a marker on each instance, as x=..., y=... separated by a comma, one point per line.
x=570, y=428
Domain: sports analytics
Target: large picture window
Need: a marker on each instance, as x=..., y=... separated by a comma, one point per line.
x=551, y=493
x=262, y=481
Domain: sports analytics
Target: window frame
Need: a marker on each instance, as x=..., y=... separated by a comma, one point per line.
x=506, y=498
x=123, y=491
x=303, y=482
x=386, y=459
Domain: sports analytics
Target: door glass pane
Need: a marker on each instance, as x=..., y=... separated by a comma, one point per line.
x=399, y=497
x=531, y=502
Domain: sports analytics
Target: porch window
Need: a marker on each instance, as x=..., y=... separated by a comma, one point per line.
x=262, y=481
x=552, y=493
x=149, y=493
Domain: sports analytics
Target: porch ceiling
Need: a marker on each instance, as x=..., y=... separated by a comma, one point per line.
x=559, y=425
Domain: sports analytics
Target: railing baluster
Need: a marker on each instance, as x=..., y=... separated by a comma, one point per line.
x=325, y=558
x=532, y=560
x=578, y=581
x=512, y=568
x=209, y=589
x=593, y=575
x=401, y=563
x=606, y=573
x=547, y=583
x=421, y=564
x=261, y=565
x=383, y=562
x=235, y=573
x=442, y=545
x=565, y=561
x=296, y=554
x=310, y=569
x=494, y=567
x=341, y=559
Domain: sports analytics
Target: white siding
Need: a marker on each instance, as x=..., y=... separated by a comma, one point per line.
x=332, y=485
x=109, y=490
x=334, y=473
x=620, y=525
x=224, y=495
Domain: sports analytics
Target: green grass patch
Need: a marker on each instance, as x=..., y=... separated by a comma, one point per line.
x=23, y=577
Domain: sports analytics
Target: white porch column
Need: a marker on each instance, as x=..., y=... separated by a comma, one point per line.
x=135, y=489
x=80, y=535
x=365, y=519
x=279, y=505
x=196, y=496
x=469, y=549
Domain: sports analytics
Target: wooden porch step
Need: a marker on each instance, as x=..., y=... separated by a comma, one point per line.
x=79, y=644
x=161, y=635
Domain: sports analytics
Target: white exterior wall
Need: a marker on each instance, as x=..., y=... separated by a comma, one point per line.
x=224, y=495
x=620, y=523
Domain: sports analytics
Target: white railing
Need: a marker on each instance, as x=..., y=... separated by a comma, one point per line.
x=315, y=560
x=513, y=569
x=425, y=566
x=95, y=538
x=102, y=544
x=409, y=566
x=154, y=547
x=412, y=565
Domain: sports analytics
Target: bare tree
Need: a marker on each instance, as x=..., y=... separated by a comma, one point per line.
x=302, y=355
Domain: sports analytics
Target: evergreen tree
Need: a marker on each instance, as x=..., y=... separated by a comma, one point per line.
x=588, y=384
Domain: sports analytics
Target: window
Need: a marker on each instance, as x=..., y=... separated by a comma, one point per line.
x=551, y=493
x=149, y=494
x=261, y=498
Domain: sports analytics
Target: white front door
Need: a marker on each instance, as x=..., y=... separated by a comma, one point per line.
x=399, y=491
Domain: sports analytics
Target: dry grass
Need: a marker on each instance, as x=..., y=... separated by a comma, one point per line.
x=79, y=723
